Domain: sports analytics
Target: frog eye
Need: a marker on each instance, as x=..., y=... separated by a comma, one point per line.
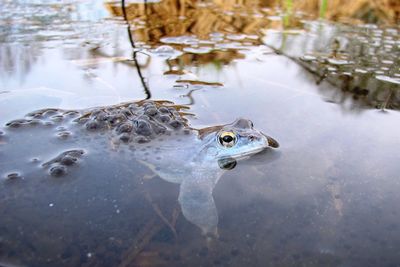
x=227, y=139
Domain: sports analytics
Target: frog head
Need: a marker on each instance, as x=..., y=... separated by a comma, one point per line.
x=228, y=143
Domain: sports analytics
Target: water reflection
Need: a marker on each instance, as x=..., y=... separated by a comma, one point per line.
x=362, y=61
x=31, y=21
x=174, y=28
x=18, y=60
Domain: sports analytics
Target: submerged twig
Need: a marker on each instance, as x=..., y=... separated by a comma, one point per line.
x=144, y=237
x=145, y=86
x=384, y=105
x=159, y=213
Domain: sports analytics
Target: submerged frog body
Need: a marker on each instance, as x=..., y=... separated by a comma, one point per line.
x=154, y=133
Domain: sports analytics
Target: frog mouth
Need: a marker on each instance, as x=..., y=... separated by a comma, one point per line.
x=249, y=153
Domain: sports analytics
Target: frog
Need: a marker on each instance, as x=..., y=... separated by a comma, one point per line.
x=156, y=133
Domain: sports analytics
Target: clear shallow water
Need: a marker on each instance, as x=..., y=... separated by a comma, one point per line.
x=327, y=197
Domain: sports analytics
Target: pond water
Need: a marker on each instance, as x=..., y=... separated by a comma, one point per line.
x=328, y=92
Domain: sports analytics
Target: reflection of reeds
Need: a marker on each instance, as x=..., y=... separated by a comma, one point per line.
x=152, y=21
x=322, y=8
x=185, y=17
x=288, y=6
x=170, y=18
x=220, y=57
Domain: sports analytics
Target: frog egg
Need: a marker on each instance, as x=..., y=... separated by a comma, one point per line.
x=58, y=171
x=68, y=160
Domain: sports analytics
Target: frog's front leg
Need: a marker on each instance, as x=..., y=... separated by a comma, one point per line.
x=197, y=203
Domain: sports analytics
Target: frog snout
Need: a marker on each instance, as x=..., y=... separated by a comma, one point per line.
x=264, y=138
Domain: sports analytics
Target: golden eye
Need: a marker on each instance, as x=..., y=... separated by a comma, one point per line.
x=227, y=139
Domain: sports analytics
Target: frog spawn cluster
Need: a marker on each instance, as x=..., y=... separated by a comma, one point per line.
x=135, y=123
x=130, y=123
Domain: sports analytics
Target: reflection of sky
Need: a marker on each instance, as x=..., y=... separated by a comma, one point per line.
x=76, y=26
x=26, y=21
x=90, y=11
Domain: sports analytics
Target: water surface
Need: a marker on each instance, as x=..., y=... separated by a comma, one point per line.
x=328, y=92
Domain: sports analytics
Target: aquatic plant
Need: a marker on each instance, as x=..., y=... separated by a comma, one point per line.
x=288, y=7
x=323, y=5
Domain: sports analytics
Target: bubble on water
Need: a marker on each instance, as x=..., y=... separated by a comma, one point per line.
x=247, y=43
x=388, y=79
x=362, y=71
x=232, y=45
x=13, y=175
x=335, y=61
x=236, y=37
x=199, y=50
x=61, y=128
x=228, y=13
x=392, y=31
x=332, y=69
x=216, y=34
x=64, y=135
x=308, y=58
x=389, y=42
x=274, y=18
x=377, y=32
x=387, y=61
x=35, y=160
x=375, y=44
x=188, y=40
x=369, y=26
x=216, y=39
x=166, y=51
